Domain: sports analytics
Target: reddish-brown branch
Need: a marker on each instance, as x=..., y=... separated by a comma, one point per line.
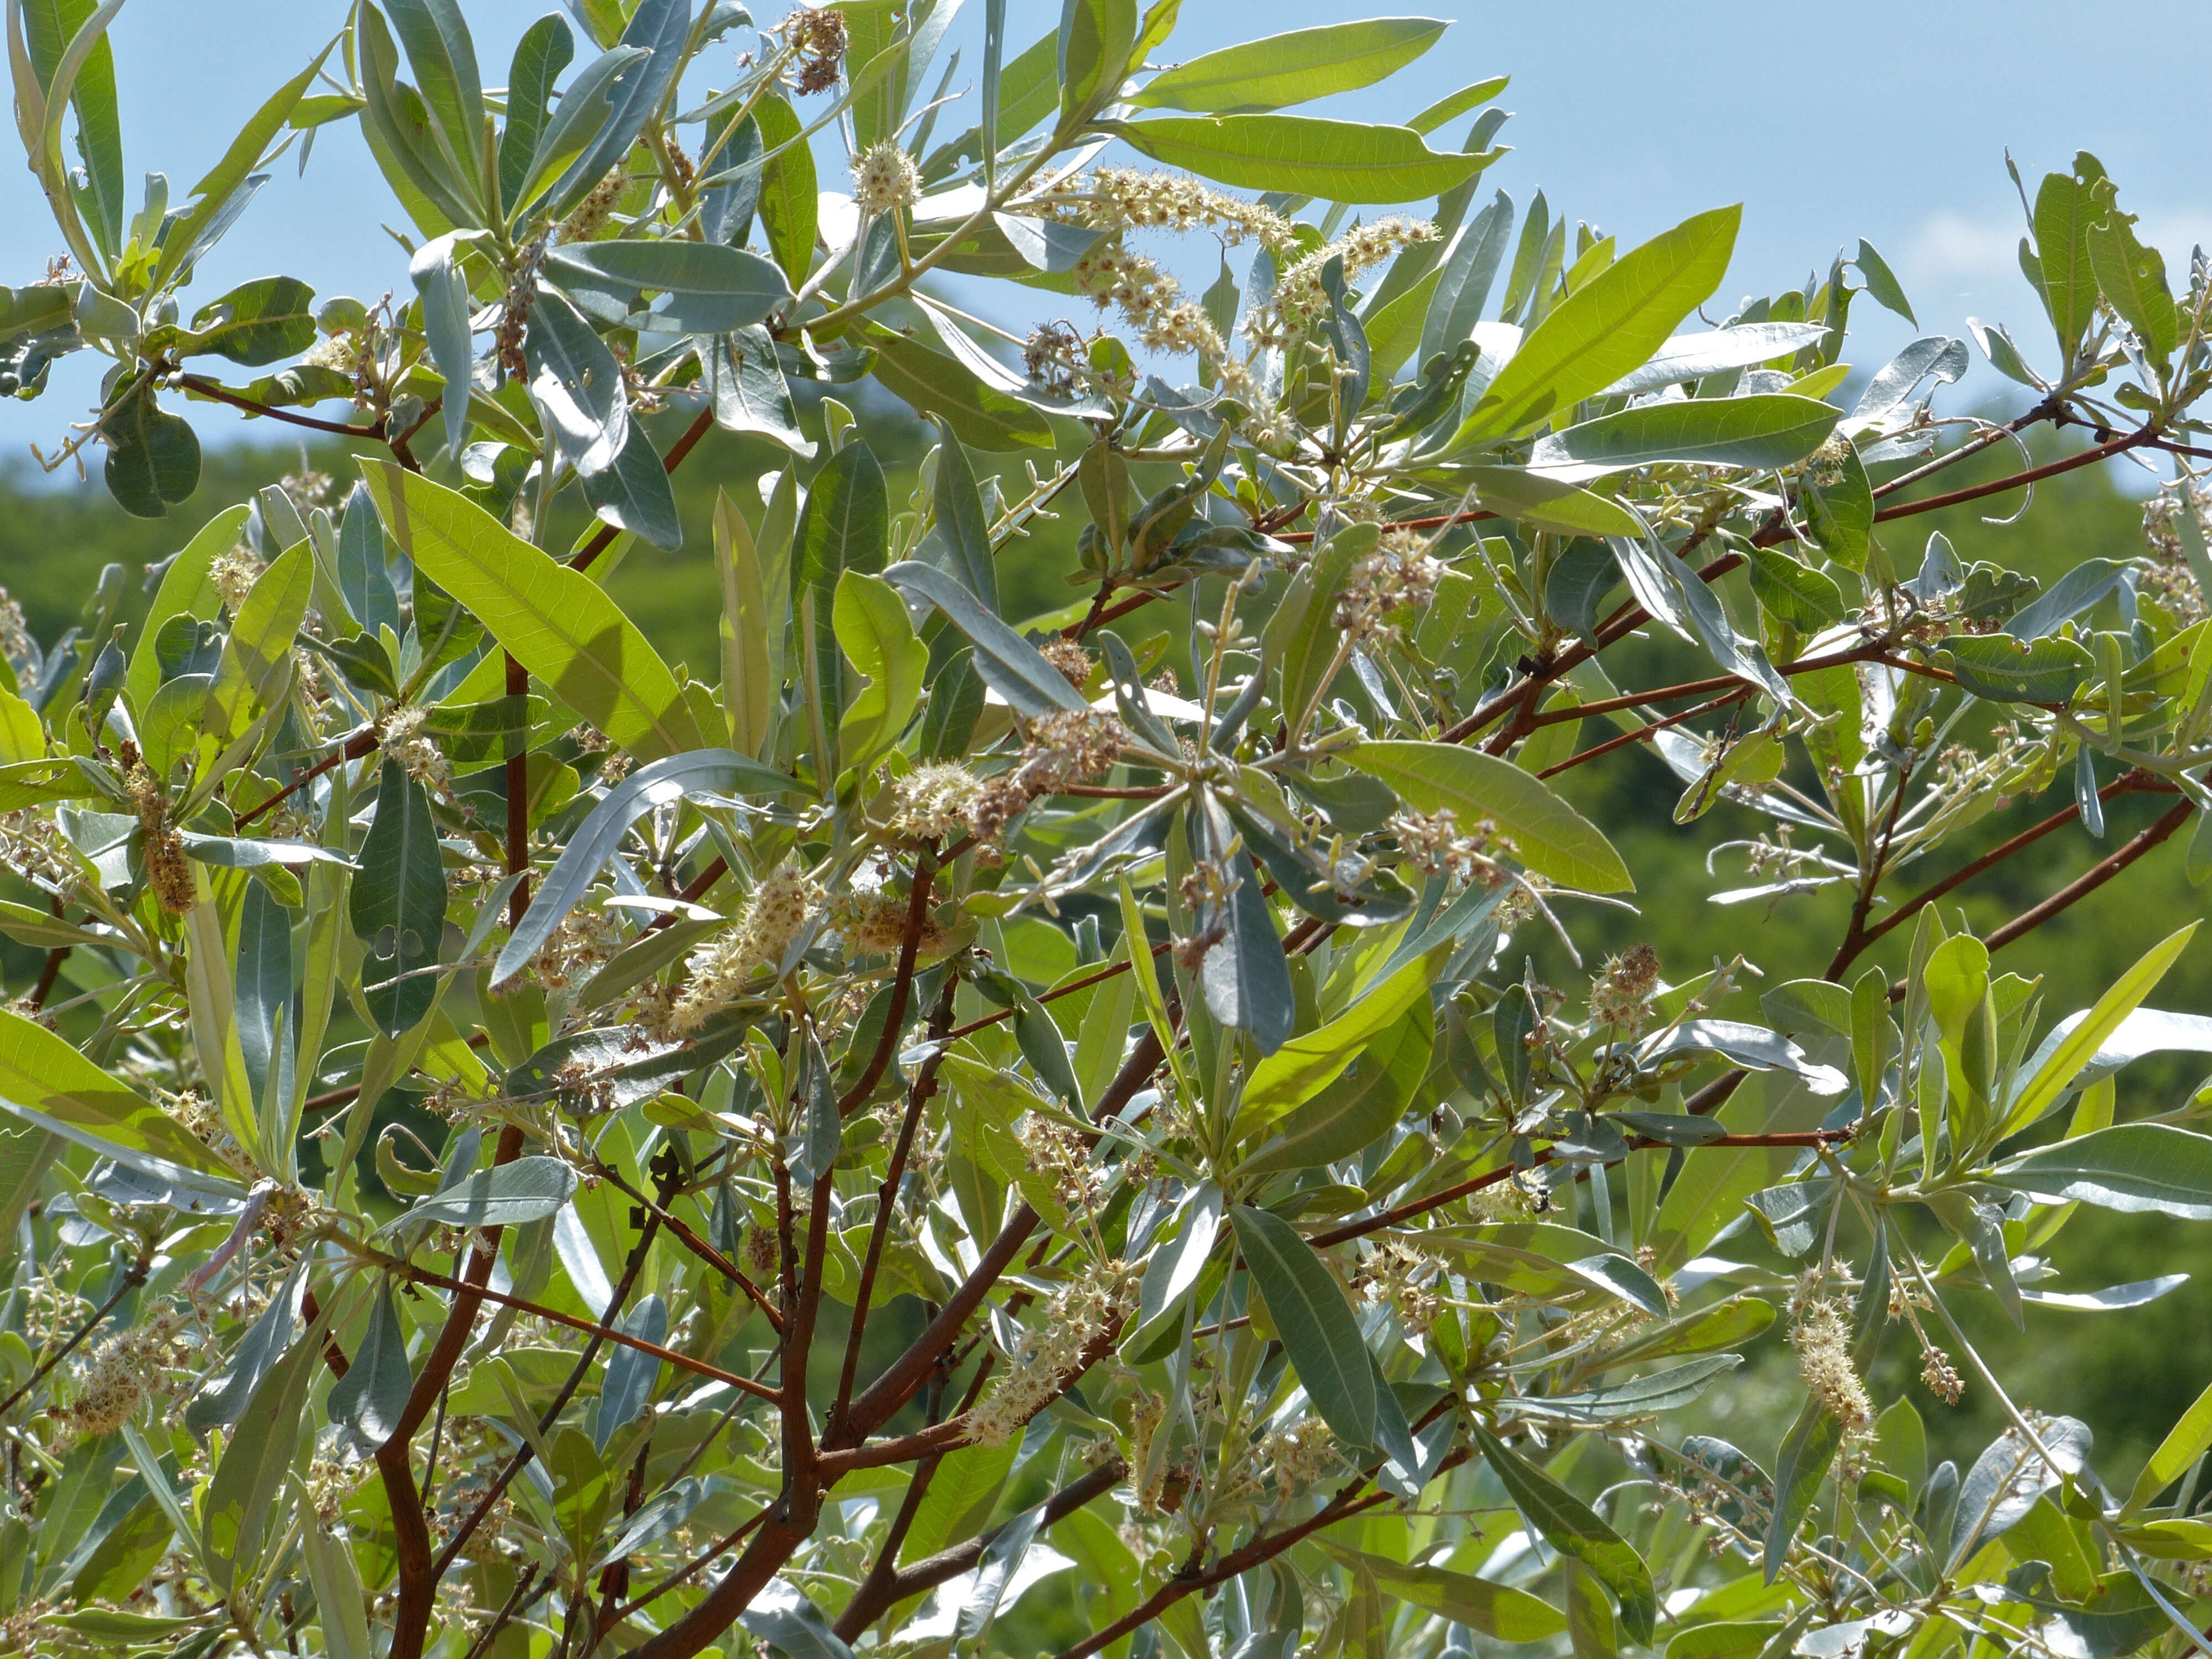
x=1645, y=732
x=418, y=1582
x=409, y=1271
x=917, y=912
x=699, y=1247
x=2013, y=481
x=361, y=743
x=918, y=1097
x=2074, y=891
x=215, y=394
x=2127, y=783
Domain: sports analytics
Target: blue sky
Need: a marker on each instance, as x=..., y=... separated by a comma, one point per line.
x=1887, y=120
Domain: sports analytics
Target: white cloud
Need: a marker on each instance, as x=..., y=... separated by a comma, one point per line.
x=1966, y=255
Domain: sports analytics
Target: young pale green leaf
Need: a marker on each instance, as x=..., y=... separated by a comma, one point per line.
x=878, y=639
x=557, y=622
x=2065, y=1062
x=1304, y=1066
x=1610, y=325
x=45, y=1080
x=1496, y=1610
x=2189, y=1439
x=1762, y=432
x=2065, y=207
x=1294, y=68
x=2133, y=278
x=788, y=204
x=1807, y=599
x=1313, y=1320
x=1548, y=836
x=1572, y=1527
x=1358, y=1106
x=204, y=220
x=1306, y=156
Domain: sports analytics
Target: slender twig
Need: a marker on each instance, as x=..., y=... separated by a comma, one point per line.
x=2014, y=480
x=2074, y=891
x=537, y=1309
x=209, y=389
x=1644, y=734
x=925, y=1087
x=523, y=1453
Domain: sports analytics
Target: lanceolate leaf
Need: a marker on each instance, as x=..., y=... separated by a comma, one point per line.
x=1009, y=663
x=1305, y=155
x=1314, y=1321
x=1572, y=1527
x=1609, y=326
x=663, y=783
x=1775, y=430
x=398, y=904
x=44, y=1079
x=1292, y=68
x=1548, y=836
x=368, y=1400
x=1507, y=1614
x=557, y=622
x=507, y=1194
x=2131, y=1166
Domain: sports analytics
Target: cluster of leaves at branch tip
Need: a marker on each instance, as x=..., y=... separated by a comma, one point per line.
x=959, y=1124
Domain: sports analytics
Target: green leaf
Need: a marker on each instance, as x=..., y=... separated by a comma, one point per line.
x=438, y=279
x=185, y=591
x=397, y=904
x=507, y=1194
x=1305, y=155
x=2133, y=278
x=1097, y=39
x=557, y=622
x=341, y=1606
x=961, y=523
x=444, y=60
x=256, y=660
x=240, y=1498
x=256, y=323
x=577, y=119
x=1304, y=1066
x=2189, y=1439
x=2002, y=669
x=1806, y=599
x=2133, y=1167
x=46, y=1081
x=1762, y=432
x=1610, y=325
x=2065, y=207
x=1358, y=1106
x=1572, y=1527
x=935, y=385
x=543, y=53
x=368, y=1402
x=1009, y=663
x=153, y=456
x=787, y=200
x=878, y=639
x=1458, y=103
x=50, y=27
x=664, y=782
x=709, y=288
x=1297, y=66
x=1545, y=502
x=1548, y=836
x=1882, y=283
x=1315, y=1322
x=659, y=28
x=1496, y=1610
